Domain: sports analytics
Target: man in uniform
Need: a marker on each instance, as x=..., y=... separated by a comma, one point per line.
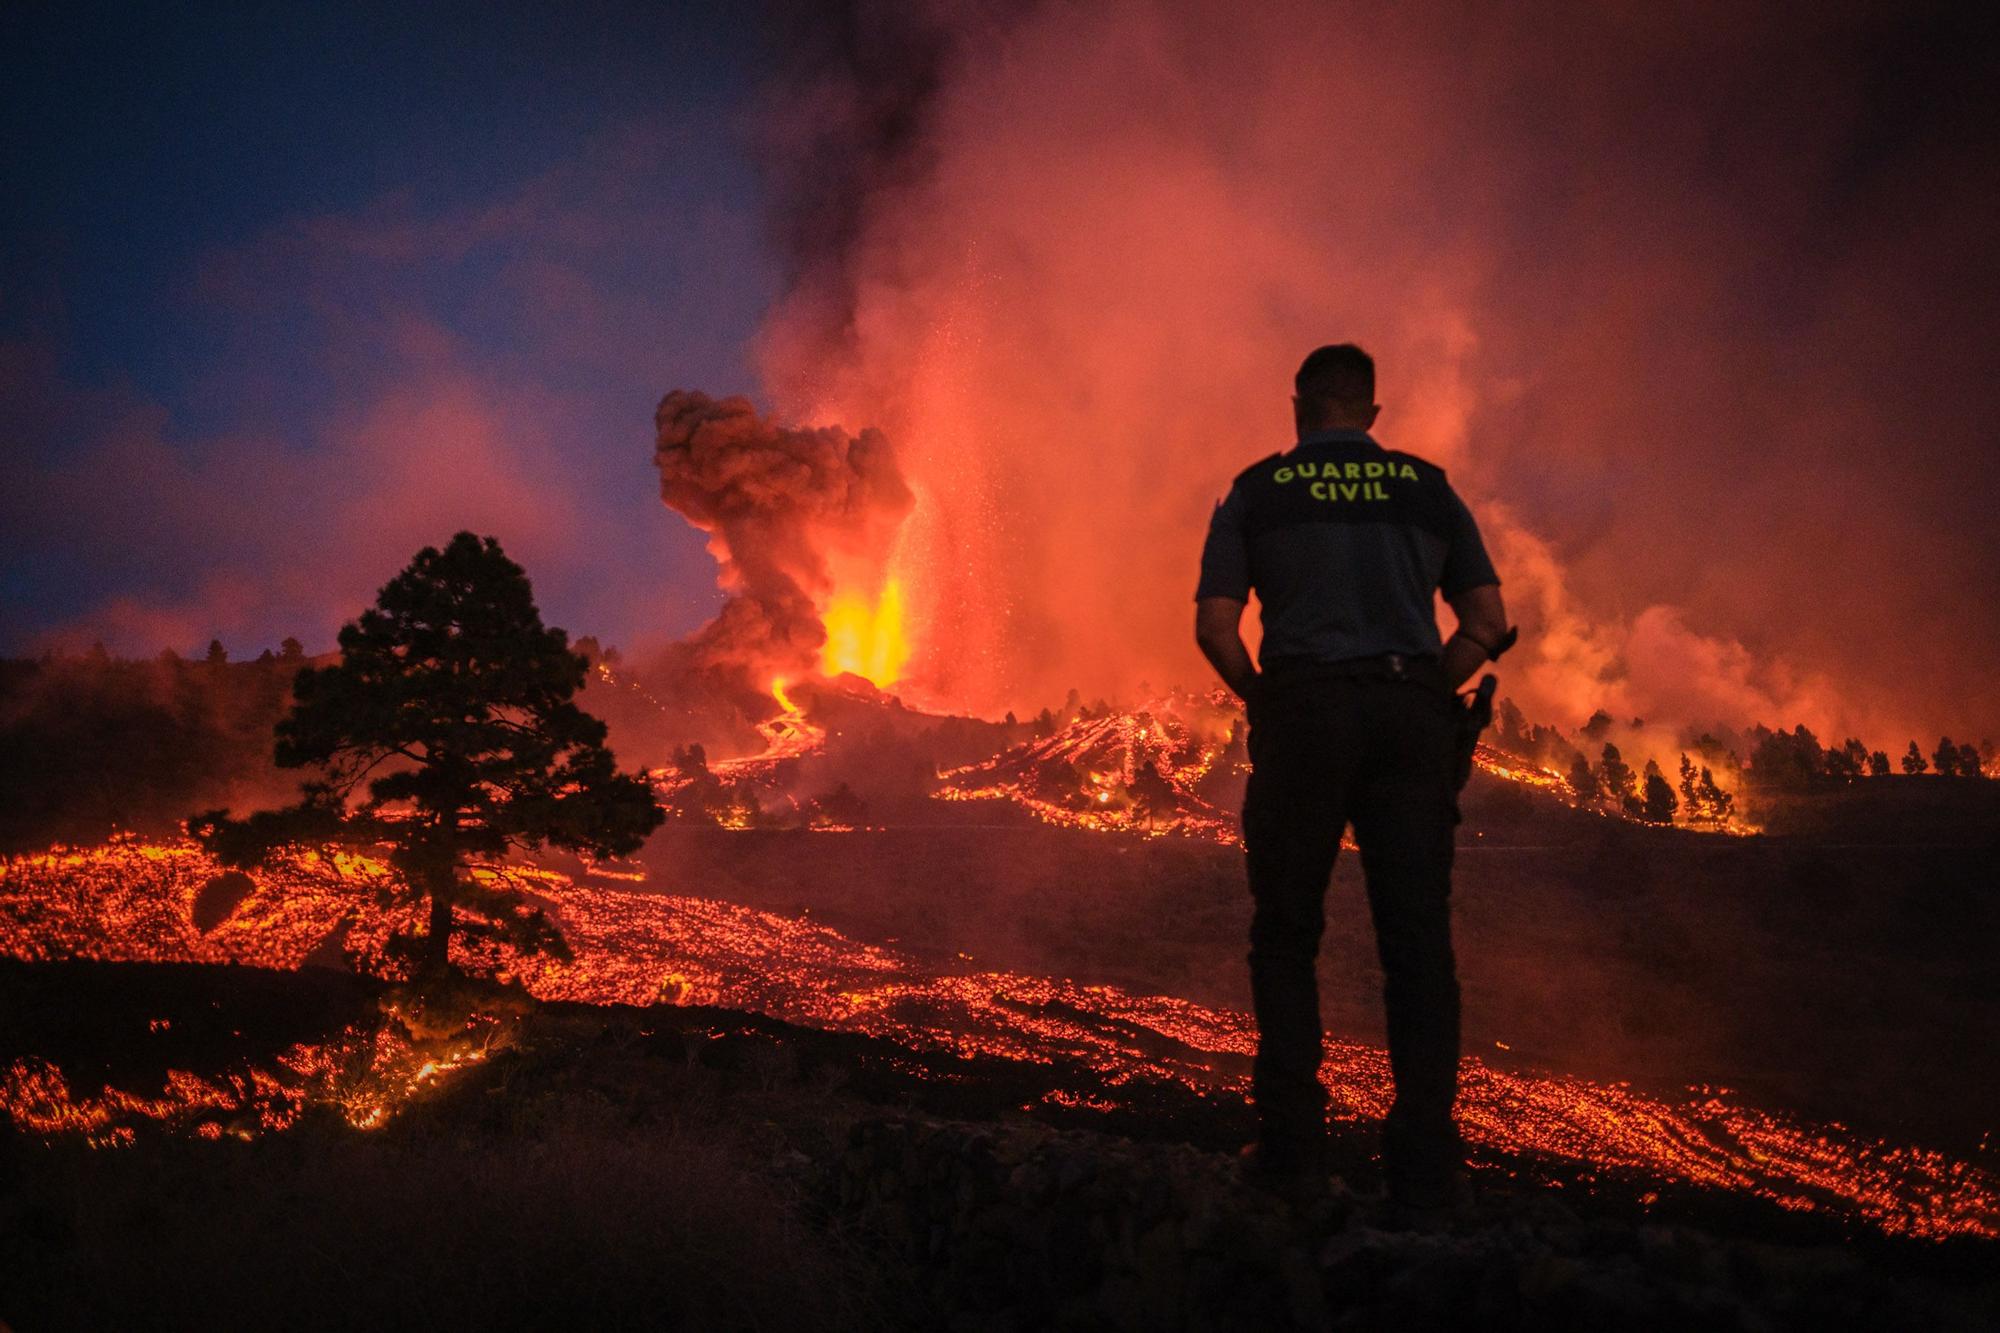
x=1353, y=717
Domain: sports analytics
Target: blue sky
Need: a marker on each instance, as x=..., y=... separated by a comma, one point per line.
x=288, y=291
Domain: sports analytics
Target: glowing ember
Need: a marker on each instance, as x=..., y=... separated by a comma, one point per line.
x=1145, y=772
x=1527, y=773
x=366, y=1075
x=866, y=637
x=131, y=900
x=1176, y=766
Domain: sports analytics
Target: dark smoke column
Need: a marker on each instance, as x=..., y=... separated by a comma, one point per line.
x=786, y=510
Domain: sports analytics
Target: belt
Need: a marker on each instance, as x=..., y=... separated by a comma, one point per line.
x=1385, y=666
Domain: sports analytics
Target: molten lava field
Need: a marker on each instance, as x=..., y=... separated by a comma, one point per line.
x=1074, y=1051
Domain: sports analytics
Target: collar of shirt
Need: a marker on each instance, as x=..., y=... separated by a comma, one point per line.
x=1343, y=435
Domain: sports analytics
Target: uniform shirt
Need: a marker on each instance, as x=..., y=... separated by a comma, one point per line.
x=1344, y=543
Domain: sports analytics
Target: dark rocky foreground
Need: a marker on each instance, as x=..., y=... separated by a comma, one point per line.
x=1023, y=1227
x=690, y=1168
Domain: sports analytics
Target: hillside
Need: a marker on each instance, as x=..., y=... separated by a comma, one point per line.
x=840, y=1184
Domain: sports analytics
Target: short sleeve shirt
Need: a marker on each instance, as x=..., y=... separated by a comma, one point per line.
x=1345, y=544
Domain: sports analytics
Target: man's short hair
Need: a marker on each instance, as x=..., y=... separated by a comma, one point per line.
x=1341, y=373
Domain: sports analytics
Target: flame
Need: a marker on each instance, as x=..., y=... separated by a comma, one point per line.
x=866, y=638
x=784, y=700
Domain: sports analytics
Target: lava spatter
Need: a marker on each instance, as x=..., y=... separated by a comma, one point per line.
x=133, y=900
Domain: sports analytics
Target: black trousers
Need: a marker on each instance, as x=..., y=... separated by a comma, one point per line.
x=1326, y=751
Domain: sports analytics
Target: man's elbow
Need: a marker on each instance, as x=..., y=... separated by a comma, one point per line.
x=1481, y=614
x=1488, y=628
x=1217, y=621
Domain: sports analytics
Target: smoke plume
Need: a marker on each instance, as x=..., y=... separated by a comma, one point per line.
x=1688, y=300
x=787, y=512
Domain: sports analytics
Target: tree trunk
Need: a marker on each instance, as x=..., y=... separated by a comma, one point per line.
x=436, y=957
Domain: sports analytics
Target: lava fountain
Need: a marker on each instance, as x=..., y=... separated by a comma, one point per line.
x=865, y=636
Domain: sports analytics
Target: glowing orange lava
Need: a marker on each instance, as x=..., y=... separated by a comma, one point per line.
x=784, y=700
x=1146, y=772
x=866, y=636
x=366, y=1074
x=133, y=900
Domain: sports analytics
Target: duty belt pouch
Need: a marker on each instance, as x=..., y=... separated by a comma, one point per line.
x=1475, y=714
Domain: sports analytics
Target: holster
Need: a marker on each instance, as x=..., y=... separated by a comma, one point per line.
x=1475, y=714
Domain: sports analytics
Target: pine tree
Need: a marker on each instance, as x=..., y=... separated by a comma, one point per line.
x=1151, y=794
x=1581, y=780
x=1718, y=801
x=1616, y=776
x=447, y=733
x=1659, y=801
x=1945, y=758
x=839, y=808
x=1913, y=760
x=1878, y=765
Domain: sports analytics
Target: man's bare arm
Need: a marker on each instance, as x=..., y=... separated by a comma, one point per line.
x=1482, y=623
x=1218, y=630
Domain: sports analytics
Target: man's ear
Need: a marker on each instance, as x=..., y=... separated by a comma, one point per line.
x=1374, y=410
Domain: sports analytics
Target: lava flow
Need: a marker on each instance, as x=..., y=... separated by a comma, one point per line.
x=1147, y=771
x=132, y=900
x=365, y=1073
x=1176, y=767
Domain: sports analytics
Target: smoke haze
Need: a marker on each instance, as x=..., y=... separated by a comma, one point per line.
x=1689, y=301
x=365, y=381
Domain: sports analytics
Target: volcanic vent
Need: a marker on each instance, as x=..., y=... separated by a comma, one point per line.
x=802, y=521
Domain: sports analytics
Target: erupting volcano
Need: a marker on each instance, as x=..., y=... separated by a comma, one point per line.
x=814, y=830
x=803, y=523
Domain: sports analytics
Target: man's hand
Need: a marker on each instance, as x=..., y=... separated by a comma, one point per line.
x=1218, y=631
x=1482, y=622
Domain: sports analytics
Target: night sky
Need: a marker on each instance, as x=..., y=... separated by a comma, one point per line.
x=255, y=258
x=1694, y=301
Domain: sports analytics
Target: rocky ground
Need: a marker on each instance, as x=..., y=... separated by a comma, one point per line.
x=1022, y=1227
x=675, y=1167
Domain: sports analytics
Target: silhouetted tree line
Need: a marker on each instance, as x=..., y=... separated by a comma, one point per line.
x=700, y=797
x=90, y=743
x=1796, y=761
x=1778, y=761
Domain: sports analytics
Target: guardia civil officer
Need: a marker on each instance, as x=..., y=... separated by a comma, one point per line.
x=1353, y=719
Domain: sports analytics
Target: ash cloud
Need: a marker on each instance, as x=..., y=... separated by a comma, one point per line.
x=1690, y=301
x=786, y=509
